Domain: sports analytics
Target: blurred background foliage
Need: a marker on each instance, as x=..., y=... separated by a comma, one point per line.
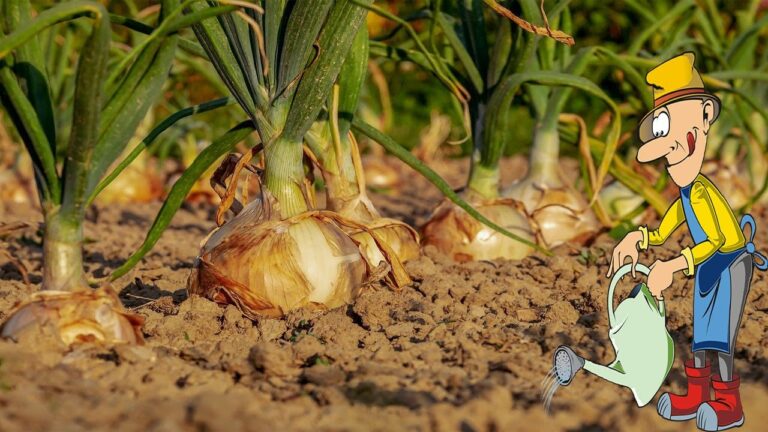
x=404, y=100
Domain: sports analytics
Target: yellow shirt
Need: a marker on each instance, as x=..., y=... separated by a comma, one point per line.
x=715, y=217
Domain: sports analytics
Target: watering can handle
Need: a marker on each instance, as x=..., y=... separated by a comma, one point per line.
x=615, y=281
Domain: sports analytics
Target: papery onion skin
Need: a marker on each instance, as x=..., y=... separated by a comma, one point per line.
x=619, y=201
x=558, y=214
x=563, y=216
x=403, y=240
x=132, y=186
x=79, y=316
x=457, y=234
x=268, y=266
x=380, y=174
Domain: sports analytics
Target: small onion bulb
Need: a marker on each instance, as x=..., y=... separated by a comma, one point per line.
x=78, y=316
x=457, y=234
x=558, y=214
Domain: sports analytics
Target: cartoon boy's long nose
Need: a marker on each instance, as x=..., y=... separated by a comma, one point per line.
x=655, y=149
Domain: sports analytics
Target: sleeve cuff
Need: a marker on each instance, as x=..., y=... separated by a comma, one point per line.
x=688, y=259
x=644, y=242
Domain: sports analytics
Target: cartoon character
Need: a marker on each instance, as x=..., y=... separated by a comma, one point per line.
x=721, y=259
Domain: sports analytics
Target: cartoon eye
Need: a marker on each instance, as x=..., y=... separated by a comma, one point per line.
x=661, y=125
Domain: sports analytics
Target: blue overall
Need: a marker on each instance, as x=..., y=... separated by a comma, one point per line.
x=712, y=286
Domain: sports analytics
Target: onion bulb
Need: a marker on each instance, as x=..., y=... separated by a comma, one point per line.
x=268, y=266
x=399, y=236
x=357, y=207
x=76, y=316
x=457, y=234
x=347, y=195
x=557, y=213
x=730, y=180
x=380, y=173
x=17, y=184
x=619, y=201
x=13, y=189
x=138, y=183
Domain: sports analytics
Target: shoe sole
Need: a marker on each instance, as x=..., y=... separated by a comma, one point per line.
x=737, y=423
x=682, y=417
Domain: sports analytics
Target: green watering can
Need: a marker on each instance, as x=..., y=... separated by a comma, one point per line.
x=644, y=349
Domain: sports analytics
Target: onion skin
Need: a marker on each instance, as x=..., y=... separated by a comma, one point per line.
x=619, y=201
x=403, y=240
x=557, y=214
x=79, y=316
x=268, y=266
x=379, y=173
x=457, y=234
x=134, y=185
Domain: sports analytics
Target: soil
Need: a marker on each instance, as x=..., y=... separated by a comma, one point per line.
x=465, y=348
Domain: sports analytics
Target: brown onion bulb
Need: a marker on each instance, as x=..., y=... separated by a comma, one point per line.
x=136, y=184
x=403, y=240
x=267, y=266
x=457, y=234
x=558, y=214
x=78, y=316
x=379, y=173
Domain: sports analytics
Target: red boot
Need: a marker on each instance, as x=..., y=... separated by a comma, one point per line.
x=684, y=407
x=725, y=411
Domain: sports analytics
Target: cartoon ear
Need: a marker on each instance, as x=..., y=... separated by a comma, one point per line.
x=708, y=107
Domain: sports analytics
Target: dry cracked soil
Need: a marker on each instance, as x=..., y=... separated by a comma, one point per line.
x=464, y=348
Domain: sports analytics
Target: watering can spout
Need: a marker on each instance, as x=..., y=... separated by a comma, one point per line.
x=567, y=363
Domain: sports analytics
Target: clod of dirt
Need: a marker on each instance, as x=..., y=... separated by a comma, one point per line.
x=274, y=360
x=324, y=375
x=762, y=303
x=563, y=311
x=527, y=315
x=164, y=305
x=135, y=354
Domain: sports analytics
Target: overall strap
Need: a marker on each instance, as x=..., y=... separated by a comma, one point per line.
x=747, y=219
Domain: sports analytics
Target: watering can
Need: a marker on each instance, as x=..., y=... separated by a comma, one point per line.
x=644, y=349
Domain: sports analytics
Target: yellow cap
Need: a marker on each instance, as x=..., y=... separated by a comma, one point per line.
x=674, y=80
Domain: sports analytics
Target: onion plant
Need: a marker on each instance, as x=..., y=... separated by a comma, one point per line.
x=336, y=154
x=487, y=71
x=558, y=211
x=109, y=100
x=280, y=63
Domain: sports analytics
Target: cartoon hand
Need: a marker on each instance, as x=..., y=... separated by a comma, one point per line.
x=660, y=277
x=627, y=247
